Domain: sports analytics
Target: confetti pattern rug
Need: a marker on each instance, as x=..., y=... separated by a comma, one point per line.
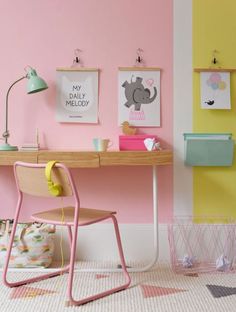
x=158, y=290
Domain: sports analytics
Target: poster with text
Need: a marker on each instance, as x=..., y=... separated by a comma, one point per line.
x=139, y=96
x=215, y=90
x=77, y=95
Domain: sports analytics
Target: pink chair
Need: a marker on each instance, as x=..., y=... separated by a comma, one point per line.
x=30, y=179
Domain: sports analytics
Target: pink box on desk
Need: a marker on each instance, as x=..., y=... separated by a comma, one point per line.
x=134, y=142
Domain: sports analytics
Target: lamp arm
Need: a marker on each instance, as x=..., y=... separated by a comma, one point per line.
x=6, y=134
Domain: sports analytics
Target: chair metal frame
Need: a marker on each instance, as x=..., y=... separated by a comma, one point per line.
x=72, y=238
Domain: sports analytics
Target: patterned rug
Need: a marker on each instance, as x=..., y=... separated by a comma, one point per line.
x=158, y=290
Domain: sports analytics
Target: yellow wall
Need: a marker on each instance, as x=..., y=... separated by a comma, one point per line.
x=214, y=27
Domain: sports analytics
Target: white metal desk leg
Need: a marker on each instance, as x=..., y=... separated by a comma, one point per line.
x=155, y=226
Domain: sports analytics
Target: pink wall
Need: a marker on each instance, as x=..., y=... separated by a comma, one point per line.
x=44, y=34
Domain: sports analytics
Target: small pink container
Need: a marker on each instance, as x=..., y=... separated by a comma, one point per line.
x=134, y=142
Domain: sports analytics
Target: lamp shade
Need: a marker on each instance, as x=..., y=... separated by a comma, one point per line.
x=35, y=83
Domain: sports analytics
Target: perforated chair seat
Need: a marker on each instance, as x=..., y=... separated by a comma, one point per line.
x=62, y=216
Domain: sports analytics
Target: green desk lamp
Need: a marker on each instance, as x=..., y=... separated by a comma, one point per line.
x=34, y=84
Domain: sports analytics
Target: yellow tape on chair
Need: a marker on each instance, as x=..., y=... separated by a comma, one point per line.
x=54, y=189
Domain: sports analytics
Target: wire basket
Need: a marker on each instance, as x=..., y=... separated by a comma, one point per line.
x=202, y=244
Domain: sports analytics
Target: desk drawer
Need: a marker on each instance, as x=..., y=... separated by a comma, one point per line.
x=71, y=159
x=9, y=158
x=136, y=158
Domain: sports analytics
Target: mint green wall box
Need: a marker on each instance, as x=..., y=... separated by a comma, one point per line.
x=209, y=149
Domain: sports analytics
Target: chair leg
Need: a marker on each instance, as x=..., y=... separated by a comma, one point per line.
x=120, y=248
x=70, y=234
x=29, y=280
x=71, y=301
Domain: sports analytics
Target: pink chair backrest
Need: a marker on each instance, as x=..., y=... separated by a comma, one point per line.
x=31, y=179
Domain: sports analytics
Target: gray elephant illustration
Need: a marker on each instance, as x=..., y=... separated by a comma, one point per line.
x=136, y=94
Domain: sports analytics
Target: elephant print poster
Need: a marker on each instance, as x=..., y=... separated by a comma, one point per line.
x=215, y=90
x=77, y=95
x=139, y=96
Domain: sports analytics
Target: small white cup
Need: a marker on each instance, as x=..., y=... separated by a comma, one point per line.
x=101, y=145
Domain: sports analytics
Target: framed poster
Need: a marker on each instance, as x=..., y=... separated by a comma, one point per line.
x=139, y=96
x=215, y=90
x=77, y=95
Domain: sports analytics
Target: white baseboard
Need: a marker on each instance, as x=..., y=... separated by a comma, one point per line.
x=97, y=242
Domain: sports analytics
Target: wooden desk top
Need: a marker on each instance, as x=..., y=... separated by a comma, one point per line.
x=89, y=159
